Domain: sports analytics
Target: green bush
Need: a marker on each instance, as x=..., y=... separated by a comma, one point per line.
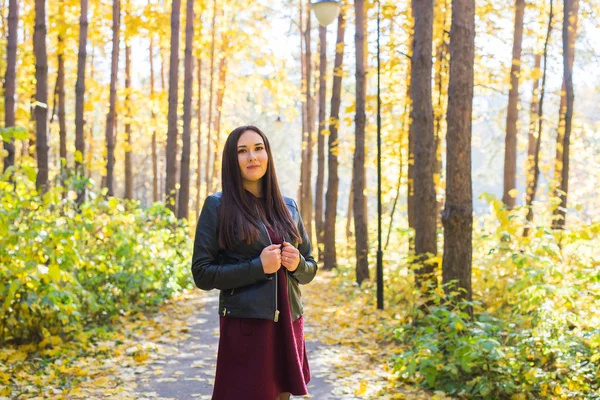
x=62, y=267
x=486, y=357
x=535, y=332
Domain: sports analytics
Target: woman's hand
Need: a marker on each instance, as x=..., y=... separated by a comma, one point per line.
x=290, y=257
x=271, y=258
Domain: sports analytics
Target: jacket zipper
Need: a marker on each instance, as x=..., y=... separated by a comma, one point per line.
x=276, y=318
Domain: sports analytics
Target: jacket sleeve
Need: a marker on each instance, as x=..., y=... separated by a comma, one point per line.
x=207, y=272
x=307, y=269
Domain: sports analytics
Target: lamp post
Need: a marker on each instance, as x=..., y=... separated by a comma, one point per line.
x=326, y=12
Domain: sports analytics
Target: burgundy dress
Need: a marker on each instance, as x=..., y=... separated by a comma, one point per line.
x=259, y=358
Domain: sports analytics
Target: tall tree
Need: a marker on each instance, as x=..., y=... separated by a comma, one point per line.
x=207, y=175
x=173, y=131
x=330, y=256
x=80, y=97
x=188, y=67
x=10, y=79
x=512, y=113
x=410, y=188
x=441, y=73
x=59, y=92
x=319, y=224
x=359, y=179
x=155, y=191
x=532, y=188
x=199, y=118
x=219, y=105
x=567, y=97
x=128, y=118
x=90, y=130
x=111, y=116
x=533, y=123
x=457, y=216
x=349, y=212
x=41, y=95
x=424, y=142
x=306, y=203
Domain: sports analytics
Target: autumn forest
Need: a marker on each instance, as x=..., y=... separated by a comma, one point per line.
x=443, y=155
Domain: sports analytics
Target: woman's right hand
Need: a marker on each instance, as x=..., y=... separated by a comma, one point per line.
x=271, y=258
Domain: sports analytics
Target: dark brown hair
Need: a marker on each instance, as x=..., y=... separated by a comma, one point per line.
x=241, y=209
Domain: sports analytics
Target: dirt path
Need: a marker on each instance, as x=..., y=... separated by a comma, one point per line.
x=187, y=368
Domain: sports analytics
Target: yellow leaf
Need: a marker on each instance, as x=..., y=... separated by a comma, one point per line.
x=140, y=357
x=102, y=381
x=558, y=389
x=362, y=389
x=17, y=356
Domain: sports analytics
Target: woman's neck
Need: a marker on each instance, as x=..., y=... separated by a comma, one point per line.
x=254, y=187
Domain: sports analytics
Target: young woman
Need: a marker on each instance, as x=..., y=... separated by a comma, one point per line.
x=251, y=244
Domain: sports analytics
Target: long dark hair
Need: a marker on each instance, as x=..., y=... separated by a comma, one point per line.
x=241, y=209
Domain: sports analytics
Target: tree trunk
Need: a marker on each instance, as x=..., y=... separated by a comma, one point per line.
x=60, y=90
x=424, y=143
x=512, y=113
x=10, y=79
x=128, y=152
x=359, y=181
x=457, y=216
x=90, y=131
x=532, y=189
x=199, y=117
x=349, y=212
x=110, y=118
x=303, y=101
x=440, y=79
x=563, y=137
x=330, y=256
x=533, y=121
x=80, y=99
x=219, y=106
x=306, y=206
x=319, y=225
x=410, y=188
x=155, y=196
x=161, y=157
x=41, y=95
x=184, y=183
x=210, y=100
x=173, y=131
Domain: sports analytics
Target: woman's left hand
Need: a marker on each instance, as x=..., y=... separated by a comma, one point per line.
x=290, y=257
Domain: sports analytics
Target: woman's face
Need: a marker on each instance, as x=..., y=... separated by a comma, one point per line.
x=252, y=156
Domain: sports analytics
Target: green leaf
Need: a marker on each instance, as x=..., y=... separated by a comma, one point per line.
x=14, y=286
x=14, y=132
x=30, y=172
x=54, y=272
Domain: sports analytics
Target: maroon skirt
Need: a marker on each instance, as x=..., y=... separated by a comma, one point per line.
x=259, y=358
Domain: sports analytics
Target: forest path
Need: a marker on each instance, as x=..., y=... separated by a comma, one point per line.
x=189, y=347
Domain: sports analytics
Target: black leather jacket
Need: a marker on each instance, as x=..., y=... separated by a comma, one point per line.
x=245, y=289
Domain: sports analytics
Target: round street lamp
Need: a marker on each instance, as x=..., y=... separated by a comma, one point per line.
x=326, y=10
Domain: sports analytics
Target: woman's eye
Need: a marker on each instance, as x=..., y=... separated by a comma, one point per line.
x=240, y=151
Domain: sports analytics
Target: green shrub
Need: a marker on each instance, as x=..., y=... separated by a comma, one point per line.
x=535, y=331
x=62, y=267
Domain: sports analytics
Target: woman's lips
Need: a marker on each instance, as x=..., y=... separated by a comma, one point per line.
x=253, y=166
